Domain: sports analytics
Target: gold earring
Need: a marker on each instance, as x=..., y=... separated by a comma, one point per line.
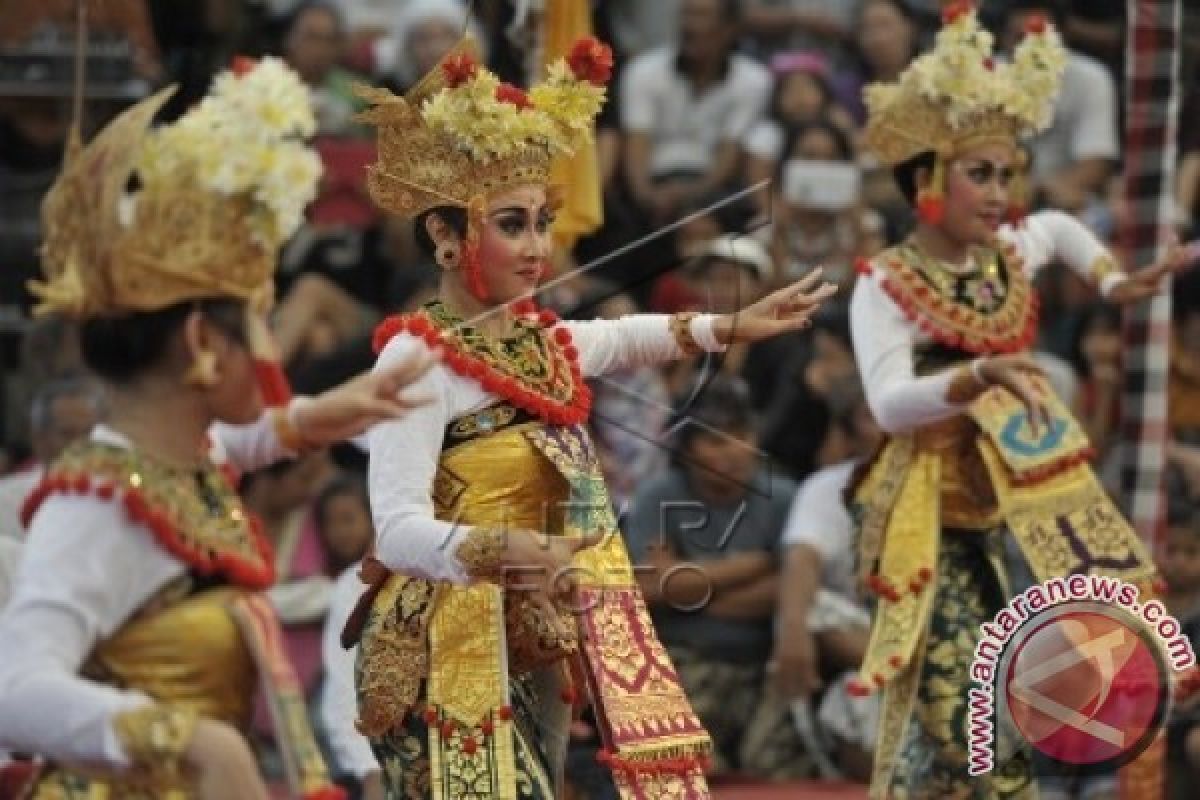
x=202, y=374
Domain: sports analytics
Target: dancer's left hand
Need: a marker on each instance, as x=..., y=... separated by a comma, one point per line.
x=788, y=309
x=349, y=409
x=1144, y=283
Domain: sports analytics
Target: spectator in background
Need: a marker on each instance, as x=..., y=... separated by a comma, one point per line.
x=823, y=623
x=685, y=108
x=886, y=39
x=1183, y=382
x=423, y=31
x=344, y=527
x=707, y=537
x=630, y=408
x=823, y=25
x=819, y=217
x=796, y=426
x=1187, y=181
x=801, y=95
x=63, y=410
x=314, y=45
x=1180, y=568
x=1074, y=157
x=1096, y=359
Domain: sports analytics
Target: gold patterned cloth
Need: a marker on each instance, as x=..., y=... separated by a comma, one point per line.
x=450, y=654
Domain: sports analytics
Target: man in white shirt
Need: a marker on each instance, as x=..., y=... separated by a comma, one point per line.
x=62, y=411
x=684, y=109
x=1073, y=158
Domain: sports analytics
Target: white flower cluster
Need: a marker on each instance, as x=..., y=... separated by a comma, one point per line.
x=559, y=115
x=960, y=76
x=246, y=137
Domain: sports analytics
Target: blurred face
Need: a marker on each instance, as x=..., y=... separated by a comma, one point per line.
x=695, y=233
x=346, y=528
x=515, y=245
x=42, y=122
x=314, y=45
x=1181, y=563
x=1188, y=333
x=977, y=185
x=885, y=37
x=429, y=40
x=728, y=286
x=1101, y=343
x=704, y=33
x=301, y=482
x=801, y=97
x=721, y=465
x=816, y=145
x=71, y=417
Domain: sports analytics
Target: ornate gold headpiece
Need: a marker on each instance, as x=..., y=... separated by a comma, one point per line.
x=957, y=94
x=461, y=134
x=214, y=195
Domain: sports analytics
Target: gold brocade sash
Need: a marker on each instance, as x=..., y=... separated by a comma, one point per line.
x=1044, y=493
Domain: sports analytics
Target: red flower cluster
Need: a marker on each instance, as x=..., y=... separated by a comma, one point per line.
x=242, y=64
x=507, y=93
x=989, y=64
x=458, y=69
x=591, y=60
x=955, y=10
x=1036, y=23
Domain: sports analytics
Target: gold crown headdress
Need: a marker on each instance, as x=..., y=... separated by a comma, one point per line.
x=462, y=134
x=214, y=196
x=957, y=95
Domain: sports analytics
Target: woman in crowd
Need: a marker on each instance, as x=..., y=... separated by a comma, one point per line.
x=135, y=629
x=977, y=443
x=489, y=503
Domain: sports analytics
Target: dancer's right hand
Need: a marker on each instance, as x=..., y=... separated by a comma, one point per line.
x=1013, y=372
x=223, y=764
x=541, y=564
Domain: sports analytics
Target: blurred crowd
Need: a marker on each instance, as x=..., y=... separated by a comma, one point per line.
x=730, y=164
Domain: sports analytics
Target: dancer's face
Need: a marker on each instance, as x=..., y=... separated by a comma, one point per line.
x=977, y=187
x=515, y=245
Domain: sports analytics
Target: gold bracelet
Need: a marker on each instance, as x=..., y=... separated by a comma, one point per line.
x=155, y=738
x=287, y=433
x=681, y=329
x=481, y=551
x=1102, y=267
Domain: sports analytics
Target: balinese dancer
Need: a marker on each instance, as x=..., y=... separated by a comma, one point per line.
x=467, y=679
x=977, y=445
x=136, y=633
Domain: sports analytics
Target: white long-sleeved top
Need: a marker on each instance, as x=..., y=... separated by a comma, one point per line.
x=885, y=338
x=84, y=570
x=405, y=451
x=338, y=705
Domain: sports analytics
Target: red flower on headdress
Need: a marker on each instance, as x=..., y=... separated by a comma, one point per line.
x=1036, y=23
x=989, y=64
x=955, y=10
x=458, y=69
x=591, y=60
x=507, y=93
x=242, y=64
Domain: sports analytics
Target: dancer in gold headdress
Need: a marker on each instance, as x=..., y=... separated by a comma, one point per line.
x=978, y=445
x=466, y=681
x=135, y=633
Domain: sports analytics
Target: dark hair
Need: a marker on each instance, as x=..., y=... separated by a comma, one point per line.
x=723, y=404
x=905, y=174
x=1102, y=314
x=731, y=11
x=844, y=400
x=343, y=483
x=339, y=20
x=119, y=349
x=835, y=322
x=1057, y=10
x=841, y=141
x=453, y=216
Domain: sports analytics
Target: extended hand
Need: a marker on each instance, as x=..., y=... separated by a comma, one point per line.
x=1013, y=372
x=1144, y=283
x=349, y=409
x=788, y=309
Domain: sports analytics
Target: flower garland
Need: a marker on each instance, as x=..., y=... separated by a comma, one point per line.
x=571, y=407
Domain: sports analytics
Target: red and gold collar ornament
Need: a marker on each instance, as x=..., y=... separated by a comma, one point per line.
x=537, y=370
